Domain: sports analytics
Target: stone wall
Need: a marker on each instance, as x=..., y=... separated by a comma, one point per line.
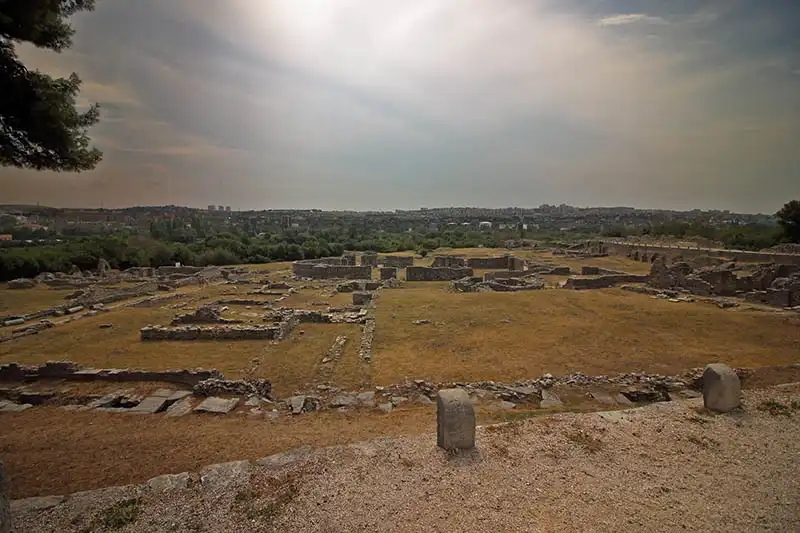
x=198, y=333
x=369, y=259
x=627, y=249
x=417, y=273
x=72, y=372
x=506, y=262
x=505, y=274
x=304, y=269
x=449, y=261
x=396, y=261
x=602, y=282
x=388, y=273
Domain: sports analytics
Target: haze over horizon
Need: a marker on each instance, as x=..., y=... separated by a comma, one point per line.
x=377, y=105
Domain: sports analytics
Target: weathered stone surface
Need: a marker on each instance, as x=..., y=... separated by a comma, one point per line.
x=507, y=405
x=296, y=404
x=169, y=482
x=5, y=502
x=602, y=397
x=225, y=474
x=549, y=400
x=361, y=298
x=455, y=420
x=150, y=405
x=721, y=388
x=436, y=274
x=344, y=400
x=366, y=399
x=35, y=504
x=178, y=395
x=163, y=393
x=388, y=273
x=386, y=407
x=11, y=407
x=21, y=283
x=180, y=408
x=217, y=405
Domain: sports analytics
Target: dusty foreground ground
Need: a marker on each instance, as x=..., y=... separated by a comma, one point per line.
x=665, y=467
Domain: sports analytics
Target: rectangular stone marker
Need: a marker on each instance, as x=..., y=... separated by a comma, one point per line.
x=180, y=408
x=217, y=405
x=455, y=420
x=722, y=389
x=150, y=405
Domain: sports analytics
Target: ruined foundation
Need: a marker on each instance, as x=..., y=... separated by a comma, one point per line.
x=436, y=274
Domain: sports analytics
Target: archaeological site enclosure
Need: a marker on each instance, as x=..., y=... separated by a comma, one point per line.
x=333, y=350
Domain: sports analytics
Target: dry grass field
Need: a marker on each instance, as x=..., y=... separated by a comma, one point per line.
x=19, y=302
x=507, y=336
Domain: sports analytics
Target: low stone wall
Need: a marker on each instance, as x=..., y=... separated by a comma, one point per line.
x=603, y=282
x=197, y=333
x=369, y=259
x=302, y=269
x=187, y=270
x=418, y=273
x=72, y=372
x=396, y=261
x=505, y=274
x=388, y=273
x=506, y=262
x=449, y=261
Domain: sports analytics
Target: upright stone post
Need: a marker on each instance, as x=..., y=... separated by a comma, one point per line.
x=455, y=420
x=5, y=502
x=721, y=388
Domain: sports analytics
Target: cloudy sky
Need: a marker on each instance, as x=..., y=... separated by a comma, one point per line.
x=380, y=104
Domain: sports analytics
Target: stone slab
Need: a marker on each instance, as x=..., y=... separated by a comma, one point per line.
x=225, y=474
x=164, y=393
x=180, y=408
x=36, y=504
x=550, y=400
x=602, y=397
x=344, y=400
x=217, y=405
x=366, y=398
x=150, y=405
x=296, y=404
x=11, y=407
x=179, y=395
x=169, y=482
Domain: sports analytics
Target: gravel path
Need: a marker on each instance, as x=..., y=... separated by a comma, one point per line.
x=665, y=467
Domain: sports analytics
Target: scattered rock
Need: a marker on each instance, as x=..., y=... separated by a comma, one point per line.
x=386, y=407
x=507, y=405
x=549, y=400
x=366, y=399
x=169, y=482
x=106, y=326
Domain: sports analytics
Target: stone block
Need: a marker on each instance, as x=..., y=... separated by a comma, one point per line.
x=11, y=407
x=388, y=273
x=549, y=400
x=178, y=395
x=180, y=408
x=217, y=405
x=222, y=475
x=150, y=405
x=721, y=388
x=361, y=298
x=169, y=482
x=455, y=420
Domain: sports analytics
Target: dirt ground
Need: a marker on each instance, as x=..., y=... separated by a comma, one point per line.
x=666, y=467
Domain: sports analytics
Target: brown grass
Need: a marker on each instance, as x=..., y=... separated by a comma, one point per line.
x=53, y=452
x=28, y=300
x=509, y=336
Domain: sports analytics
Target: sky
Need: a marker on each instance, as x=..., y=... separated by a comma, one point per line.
x=383, y=104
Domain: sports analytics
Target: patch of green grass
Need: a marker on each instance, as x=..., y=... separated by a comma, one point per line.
x=121, y=514
x=775, y=408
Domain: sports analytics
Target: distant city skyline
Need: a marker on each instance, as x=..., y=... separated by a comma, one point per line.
x=382, y=105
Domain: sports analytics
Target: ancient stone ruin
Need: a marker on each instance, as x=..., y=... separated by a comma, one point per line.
x=770, y=284
x=208, y=314
x=527, y=282
x=396, y=261
x=369, y=259
x=329, y=268
x=602, y=282
x=449, y=261
x=505, y=262
x=418, y=273
x=388, y=273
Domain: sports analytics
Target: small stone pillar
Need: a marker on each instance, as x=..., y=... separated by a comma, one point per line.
x=721, y=388
x=455, y=420
x=388, y=273
x=5, y=502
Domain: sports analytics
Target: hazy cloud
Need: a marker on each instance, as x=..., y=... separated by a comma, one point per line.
x=383, y=104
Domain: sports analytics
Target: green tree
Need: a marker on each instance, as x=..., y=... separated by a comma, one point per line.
x=40, y=128
x=789, y=219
